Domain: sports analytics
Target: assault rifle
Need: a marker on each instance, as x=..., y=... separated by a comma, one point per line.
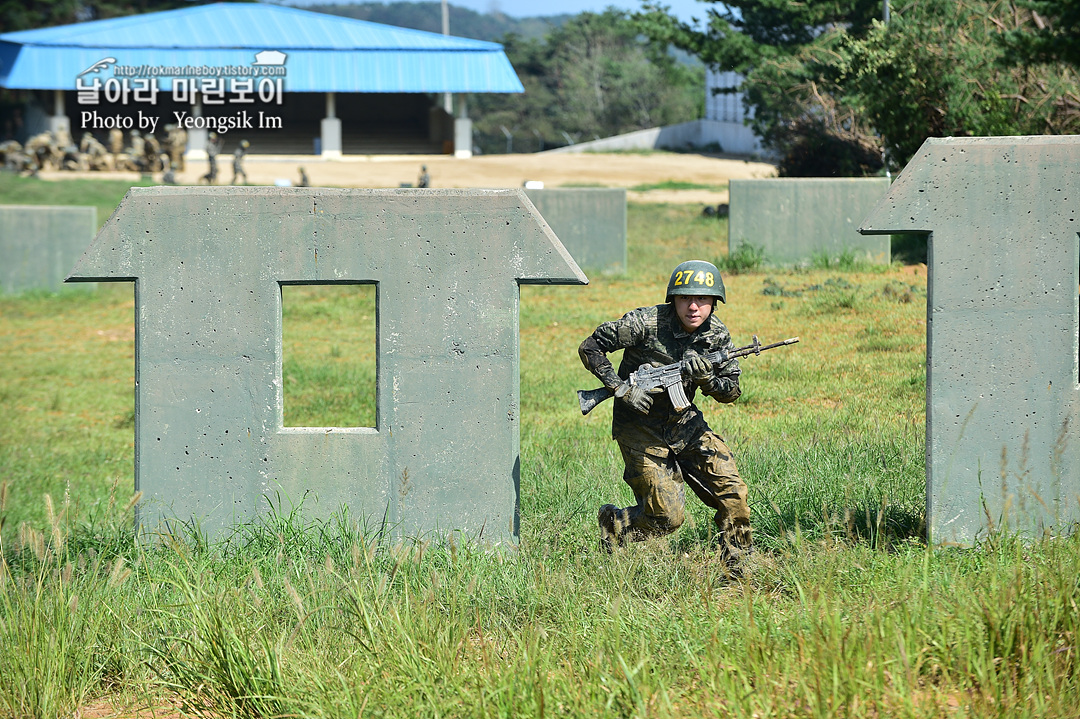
x=669, y=377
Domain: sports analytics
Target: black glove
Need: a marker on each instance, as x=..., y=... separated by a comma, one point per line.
x=634, y=396
x=696, y=368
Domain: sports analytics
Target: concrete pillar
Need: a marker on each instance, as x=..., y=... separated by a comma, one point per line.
x=58, y=121
x=462, y=131
x=330, y=130
x=1002, y=330
x=197, y=137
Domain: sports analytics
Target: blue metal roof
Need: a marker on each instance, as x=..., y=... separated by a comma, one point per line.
x=324, y=53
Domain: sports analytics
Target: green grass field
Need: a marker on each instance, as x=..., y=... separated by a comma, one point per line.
x=844, y=611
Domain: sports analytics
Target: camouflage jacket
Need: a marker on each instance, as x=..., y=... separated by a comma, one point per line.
x=654, y=334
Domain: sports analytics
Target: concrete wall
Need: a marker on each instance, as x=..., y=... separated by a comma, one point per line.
x=590, y=222
x=793, y=219
x=209, y=262
x=732, y=137
x=1003, y=322
x=723, y=101
x=39, y=245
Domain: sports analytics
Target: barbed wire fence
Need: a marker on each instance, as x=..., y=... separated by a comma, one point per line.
x=507, y=141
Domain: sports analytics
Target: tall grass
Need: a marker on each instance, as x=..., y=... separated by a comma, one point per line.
x=844, y=611
x=343, y=627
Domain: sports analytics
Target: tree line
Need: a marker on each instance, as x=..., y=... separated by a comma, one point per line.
x=839, y=89
x=835, y=87
x=594, y=76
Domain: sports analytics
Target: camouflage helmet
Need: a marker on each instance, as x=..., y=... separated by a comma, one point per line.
x=696, y=277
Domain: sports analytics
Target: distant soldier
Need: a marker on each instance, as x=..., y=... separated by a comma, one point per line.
x=72, y=159
x=43, y=150
x=97, y=158
x=122, y=163
x=133, y=159
x=63, y=139
x=116, y=145
x=176, y=144
x=116, y=141
x=23, y=164
x=425, y=178
x=15, y=159
x=238, y=161
x=9, y=149
x=213, y=147
x=152, y=154
x=169, y=178
x=138, y=144
x=304, y=182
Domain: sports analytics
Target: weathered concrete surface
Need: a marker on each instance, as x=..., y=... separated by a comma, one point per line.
x=590, y=222
x=39, y=244
x=1003, y=401
x=208, y=265
x=795, y=218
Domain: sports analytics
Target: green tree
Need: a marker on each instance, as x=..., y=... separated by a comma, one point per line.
x=940, y=68
x=832, y=86
x=780, y=46
x=764, y=40
x=1052, y=36
x=593, y=76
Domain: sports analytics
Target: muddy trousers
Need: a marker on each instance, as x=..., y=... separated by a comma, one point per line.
x=659, y=485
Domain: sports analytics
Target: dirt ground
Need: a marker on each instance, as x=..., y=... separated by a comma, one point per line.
x=553, y=169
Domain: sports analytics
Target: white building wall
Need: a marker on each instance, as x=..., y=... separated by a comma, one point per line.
x=724, y=106
x=724, y=125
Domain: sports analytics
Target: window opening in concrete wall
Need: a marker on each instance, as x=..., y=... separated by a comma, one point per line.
x=328, y=354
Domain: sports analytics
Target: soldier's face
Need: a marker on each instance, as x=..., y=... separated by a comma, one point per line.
x=693, y=310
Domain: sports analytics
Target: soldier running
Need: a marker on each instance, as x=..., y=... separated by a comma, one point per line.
x=665, y=450
x=238, y=161
x=213, y=147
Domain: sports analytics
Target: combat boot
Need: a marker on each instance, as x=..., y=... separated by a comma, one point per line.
x=734, y=557
x=609, y=536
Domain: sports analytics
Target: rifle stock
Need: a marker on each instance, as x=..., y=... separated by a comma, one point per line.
x=589, y=398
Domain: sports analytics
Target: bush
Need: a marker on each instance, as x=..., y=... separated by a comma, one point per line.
x=746, y=257
x=811, y=149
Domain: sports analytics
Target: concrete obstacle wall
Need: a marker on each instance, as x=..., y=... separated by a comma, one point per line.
x=1003, y=328
x=590, y=222
x=732, y=137
x=40, y=244
x=209, y=263
x=794, y=219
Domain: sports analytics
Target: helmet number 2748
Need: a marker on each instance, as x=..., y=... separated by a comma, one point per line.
x=685, y=277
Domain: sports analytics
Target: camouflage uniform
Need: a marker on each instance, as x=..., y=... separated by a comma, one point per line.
x=666, y=450
x=175, y=144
